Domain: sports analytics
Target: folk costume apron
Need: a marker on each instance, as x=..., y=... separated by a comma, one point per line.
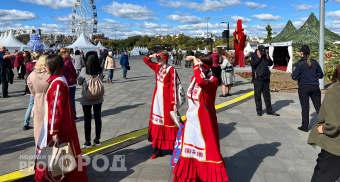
x=59, y=119
x=200, y=156
x=162, y=129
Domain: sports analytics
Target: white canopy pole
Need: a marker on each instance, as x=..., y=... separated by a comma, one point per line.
x=290, y=63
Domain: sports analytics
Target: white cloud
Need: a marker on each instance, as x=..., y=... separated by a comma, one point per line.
x=267, y=17
x=55, y=4
x=337, y=1
x=55, y=28
x=207, y=5
x=244, y=20
x=302, y=7
x=335, y=15
x=274, y=7
x=253, y=5
x=130, y=11
x=66, y=19
x=303, y=19
x=147, y=25
x=298, y=24
x=184, y=18
x=16, y=15
x=200, y=26
x=16, y=26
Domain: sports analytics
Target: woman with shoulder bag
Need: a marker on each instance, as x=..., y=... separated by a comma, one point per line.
x=92, y=69
x=228, y=78
x=63, y=128
x=162, y=129
x=110, y=66
x=307, y=72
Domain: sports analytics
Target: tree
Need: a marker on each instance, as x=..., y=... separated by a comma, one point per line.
x=25, y=40
x=269, y=32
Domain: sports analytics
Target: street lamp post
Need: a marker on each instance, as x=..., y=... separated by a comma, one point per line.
x=322, y=41
x=207, y=18
x=116, y=43
x=227, y=36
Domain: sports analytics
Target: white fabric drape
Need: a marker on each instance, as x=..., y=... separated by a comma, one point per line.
x=271, y=52
x=290, y=63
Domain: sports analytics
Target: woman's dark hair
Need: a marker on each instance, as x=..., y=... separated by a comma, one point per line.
x=337, y=72
x=55, y=64
x=77, y=52
x=92, y=63
x=309, y=63
x=206, y=59
x=28, y=55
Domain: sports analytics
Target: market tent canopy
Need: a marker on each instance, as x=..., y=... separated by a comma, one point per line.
x=290, y=52
x=101, y=46
x=12, y=43
x=248, y=50
x=82, y=43
x=46, y=47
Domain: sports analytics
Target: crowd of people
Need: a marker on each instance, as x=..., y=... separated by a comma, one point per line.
x=51, y=81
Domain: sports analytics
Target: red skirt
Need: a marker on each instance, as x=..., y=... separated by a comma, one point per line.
x=192, y=170
x=162, y=137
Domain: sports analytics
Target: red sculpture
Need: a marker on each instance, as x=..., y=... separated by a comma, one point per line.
x=239, y=43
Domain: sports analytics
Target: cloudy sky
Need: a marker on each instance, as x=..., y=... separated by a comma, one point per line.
x=158, y=17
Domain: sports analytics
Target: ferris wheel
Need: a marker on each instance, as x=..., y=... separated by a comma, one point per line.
x=84, y=18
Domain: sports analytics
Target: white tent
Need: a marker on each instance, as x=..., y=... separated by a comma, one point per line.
x=198, y=49
x=248, y=50
x=337, y=42
x=82, y=43
x=1, y=37
x=101, y=46
x=287, y=45
x=12, y=44
x=205, y=51
x=46, y=47
x=135, y=51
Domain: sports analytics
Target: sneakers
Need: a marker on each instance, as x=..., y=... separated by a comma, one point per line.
x=26, y=128
x=96, y=143
x=87, y=145
x=228, y=94
x=223, y=95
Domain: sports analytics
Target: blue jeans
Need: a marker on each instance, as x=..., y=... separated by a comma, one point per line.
x=110, y=72
x=73, y=94
x=124, y=71
x=29, y=110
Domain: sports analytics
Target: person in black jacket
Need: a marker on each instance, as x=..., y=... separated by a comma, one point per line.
x=307, y=72
x=261, y=79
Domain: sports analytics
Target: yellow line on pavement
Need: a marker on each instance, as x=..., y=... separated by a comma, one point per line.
x=114, y=141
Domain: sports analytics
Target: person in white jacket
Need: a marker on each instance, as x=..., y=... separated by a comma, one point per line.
x=110, y=66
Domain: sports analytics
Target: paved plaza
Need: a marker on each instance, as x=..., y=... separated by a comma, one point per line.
x=254, y=148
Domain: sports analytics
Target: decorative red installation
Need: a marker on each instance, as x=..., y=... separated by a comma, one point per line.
x=239, y=43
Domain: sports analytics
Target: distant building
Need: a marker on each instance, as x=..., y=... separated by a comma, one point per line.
x=257, y=39
x=98, y=36
x=160, y=37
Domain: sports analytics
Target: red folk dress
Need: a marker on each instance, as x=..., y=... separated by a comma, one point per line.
x=200, y=157
x=59, y=119
x=162, y=129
